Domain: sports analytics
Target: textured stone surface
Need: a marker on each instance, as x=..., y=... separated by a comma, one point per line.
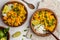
x=51, y=4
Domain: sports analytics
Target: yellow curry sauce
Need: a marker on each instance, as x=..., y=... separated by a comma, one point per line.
x=14, y=14
x=46, y=18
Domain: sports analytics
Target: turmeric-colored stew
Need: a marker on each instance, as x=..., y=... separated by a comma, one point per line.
x=14, y=14
x=44, y=17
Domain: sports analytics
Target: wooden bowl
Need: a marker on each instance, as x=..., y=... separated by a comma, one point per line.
x=12, y=3
x=8, y=37
x=39, y=34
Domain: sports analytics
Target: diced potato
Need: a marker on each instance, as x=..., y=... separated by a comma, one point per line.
x=5, y=18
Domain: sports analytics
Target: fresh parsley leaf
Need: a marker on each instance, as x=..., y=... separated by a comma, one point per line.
x=24, y=35
x=31, y=36
x=25, y=30
x=22, y=38
x=33, y=25
x=6, y=30
x=12, y=6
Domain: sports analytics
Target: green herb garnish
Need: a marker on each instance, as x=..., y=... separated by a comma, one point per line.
x=16, y=10
x=3, y=32
x=25, y=30
x=47, y=21
x=40, y=13
x=22, y=39
x=6, y=30
x=45, y=11
x=44, y=30
x=31, y=36
x=45, y=16
x=12, y=6
x=33, y=25
x=24, y=35
x=42, y=20
x=51, y=22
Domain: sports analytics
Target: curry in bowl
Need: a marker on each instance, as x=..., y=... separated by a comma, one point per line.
x=14, y=13
x=42, y=20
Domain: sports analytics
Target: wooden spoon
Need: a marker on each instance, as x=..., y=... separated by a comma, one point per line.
x=37, y=5
x=53, y=35
x=29, y=5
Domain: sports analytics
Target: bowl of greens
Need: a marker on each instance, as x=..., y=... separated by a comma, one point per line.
x=4, y=33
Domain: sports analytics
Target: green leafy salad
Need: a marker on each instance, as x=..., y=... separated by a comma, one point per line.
x=4, y=33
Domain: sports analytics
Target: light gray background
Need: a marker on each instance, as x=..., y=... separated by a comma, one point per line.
x=24, y=26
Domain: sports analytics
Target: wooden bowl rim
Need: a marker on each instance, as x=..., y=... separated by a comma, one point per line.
x=11, y=2
x=39, y=34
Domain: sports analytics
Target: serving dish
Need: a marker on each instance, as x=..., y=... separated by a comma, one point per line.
x=4, y=30
x=42, y=20
x=14, y=13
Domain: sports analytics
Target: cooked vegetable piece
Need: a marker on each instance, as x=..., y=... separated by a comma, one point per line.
x=16, y=34
x=1, y=34
x=35, y=22
x=4, y=38
x=6, y=30
x=4, y=33
x=31, y=36
x=40, y=12
x=25, y=30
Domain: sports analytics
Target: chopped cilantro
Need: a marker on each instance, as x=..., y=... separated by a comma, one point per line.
x=31, y=36
x=25, y=30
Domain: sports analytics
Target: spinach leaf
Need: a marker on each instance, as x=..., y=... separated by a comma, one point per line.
x=48, y=23
x=1, y=34
x=33, y=25
x=40, y=13
x=51, y=22
x=6, y=30
x=16, y=10
x=45, y=14
x=12, y=6
x=45, y=11
x=25, y=30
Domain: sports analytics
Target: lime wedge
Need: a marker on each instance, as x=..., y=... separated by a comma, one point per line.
x=16, y=34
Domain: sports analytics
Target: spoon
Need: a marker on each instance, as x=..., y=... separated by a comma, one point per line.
x=53, y=35
x=37, y=5
x=29, y=5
